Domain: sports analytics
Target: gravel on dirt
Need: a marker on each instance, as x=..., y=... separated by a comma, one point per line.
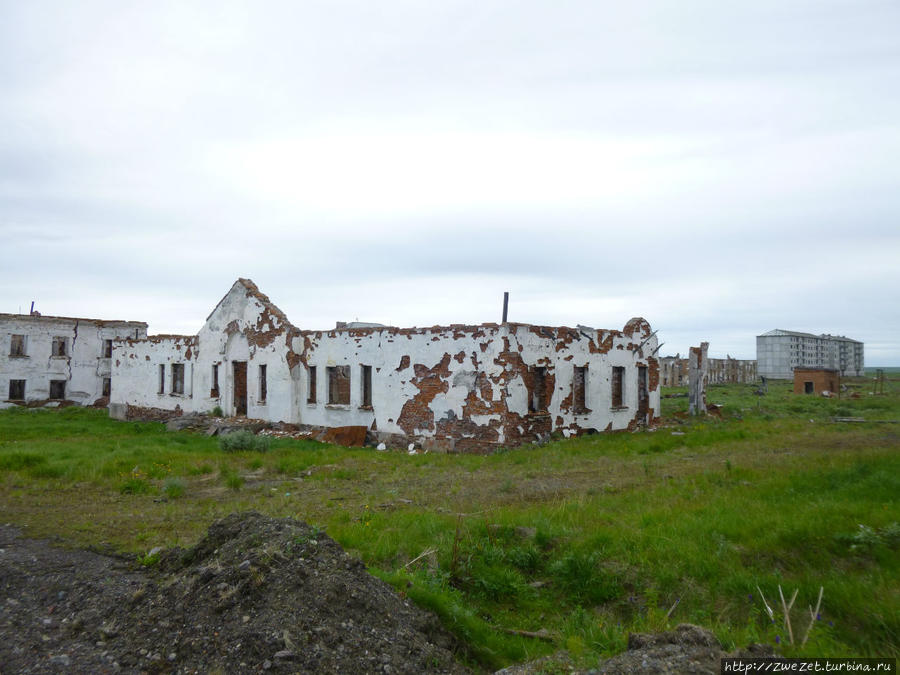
x=256, y=594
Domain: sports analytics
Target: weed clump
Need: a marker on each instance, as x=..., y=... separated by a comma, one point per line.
x=867, y=539
x=584, y=578
x=43, y=470
x=16, y=461
x=231, y=478
x=173, y=488
x=151, y=559
x=134, y=486
x=243, y=440
x=200, y=469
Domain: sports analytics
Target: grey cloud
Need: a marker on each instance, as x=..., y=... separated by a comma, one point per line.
x=759, y=139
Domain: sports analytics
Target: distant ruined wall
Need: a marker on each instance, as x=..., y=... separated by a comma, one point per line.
x=674, y=371
x=732, y=371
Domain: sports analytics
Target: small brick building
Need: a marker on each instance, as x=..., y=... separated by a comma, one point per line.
x=816, y=380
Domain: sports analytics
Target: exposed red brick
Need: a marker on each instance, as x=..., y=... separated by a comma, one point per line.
x=348, y=437
x=605, y=344
x=430, y=382
x=652, y=373
x=637, y=325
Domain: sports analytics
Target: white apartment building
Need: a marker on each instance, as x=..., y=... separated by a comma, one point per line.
x=56, y=358
x=779, y=351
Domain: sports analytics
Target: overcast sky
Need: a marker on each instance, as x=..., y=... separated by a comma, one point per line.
x=719, y=168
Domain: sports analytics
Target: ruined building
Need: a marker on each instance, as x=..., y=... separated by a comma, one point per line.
x=456, y=388
x=674, y=371
x=54, y=358
x=779, y=352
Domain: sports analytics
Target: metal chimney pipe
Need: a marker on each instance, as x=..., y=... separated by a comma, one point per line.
x=505, y=304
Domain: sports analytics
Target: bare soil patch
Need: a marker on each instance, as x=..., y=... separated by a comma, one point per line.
x=256, y=594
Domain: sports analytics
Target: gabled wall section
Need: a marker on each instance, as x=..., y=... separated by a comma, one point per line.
x=246, y=327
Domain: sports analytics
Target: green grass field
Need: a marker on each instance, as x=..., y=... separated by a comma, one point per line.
x=588, y=539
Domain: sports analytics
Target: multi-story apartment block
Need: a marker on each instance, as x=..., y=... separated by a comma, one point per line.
x=779, y=352
x=53, y=358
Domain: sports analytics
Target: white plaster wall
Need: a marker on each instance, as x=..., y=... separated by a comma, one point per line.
x=84, y=366
x=384, y=349
x=135, y=373
x=561, y=360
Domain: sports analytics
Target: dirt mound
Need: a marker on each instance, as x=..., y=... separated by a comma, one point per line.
x=257, y=594
x=687, y=649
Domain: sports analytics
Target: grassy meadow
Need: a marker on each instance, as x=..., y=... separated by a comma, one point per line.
x=582, y=540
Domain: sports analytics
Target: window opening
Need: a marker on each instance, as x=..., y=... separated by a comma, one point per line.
x=311, y=388
x=538, y=402
x=367, y=386
x=57, y=389
x=17, y=390
x=177, y=378
x=17, y=345
x=59, y=346
x=618, y=386
x=339, y=385
x=579, y=384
